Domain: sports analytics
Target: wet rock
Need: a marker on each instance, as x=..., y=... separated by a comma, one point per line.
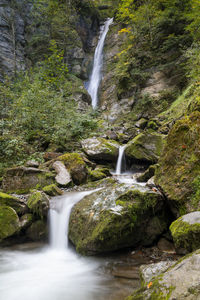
x=149, y=173
x=146, y=147
x=181, y=281
x=76, y=167
x=38, y=203
x=166, y=246
x=52, y=190
x=116, y=217
x=17, y=204
x=100, y=149
x=21, y=180
x=9, y=222
x=186, y=232
x=63, y=177
x=37, y=231
x=25, y=221
x=147, y=272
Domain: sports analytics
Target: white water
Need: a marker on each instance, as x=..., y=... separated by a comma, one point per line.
x=51, y=273
x=120, y=159
x=95, y=78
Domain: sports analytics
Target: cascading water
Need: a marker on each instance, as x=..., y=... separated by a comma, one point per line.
x=120, y=160
x=95, y=78
x=51, y=273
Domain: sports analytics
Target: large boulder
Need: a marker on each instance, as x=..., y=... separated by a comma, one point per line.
x=100, y=149
x=17, y=204
x=145, y=147
x=186, y=232
x=9, y=222
x=181, y=281
x=38, y=231
x=21, y=180
x=115, y=217
x=178, y=174
x=76, y=166
x=52, y=190
x=38, y=203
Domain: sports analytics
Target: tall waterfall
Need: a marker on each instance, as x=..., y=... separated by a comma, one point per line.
x=95, y=78
x=120, y=160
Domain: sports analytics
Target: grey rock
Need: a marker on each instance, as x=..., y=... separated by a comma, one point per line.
x=63, y=177
x=147, y=272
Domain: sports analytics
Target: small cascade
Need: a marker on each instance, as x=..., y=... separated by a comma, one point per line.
x=59, y=218
x=120, y=161
x=95, y=78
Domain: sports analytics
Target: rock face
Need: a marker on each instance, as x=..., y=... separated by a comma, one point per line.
x=116, y=217
x=9, y=222
x=146, y=147
x=186, y=232
x=12, y=39
x=181, y=281
x=100, y=149
x=178, y=174
x=21, y=179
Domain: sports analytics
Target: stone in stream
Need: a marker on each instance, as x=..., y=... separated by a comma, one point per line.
x=38, y=231
x=38, y=203
x=100, y=149
x=186, y=232
x=180, y=281
x=116, y=217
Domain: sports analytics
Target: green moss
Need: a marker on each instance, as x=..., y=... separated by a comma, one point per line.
x=96, y=174
x=52, y=190
x=185, y=235
x=15, y=203
x=71, y=160
x=38, y=204
x=9, y=222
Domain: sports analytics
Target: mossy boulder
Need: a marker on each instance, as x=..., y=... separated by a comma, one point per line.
x=9, y=222
x=38, y=231
x=179, y=166
x=116, y=217
x=25, y=221
x=149, y=173
x=52, y=190
x=181, y=281
x=145, y=147
x=97, y=174
x=100, y=149
x=21, y=180
x=38, y=203
x=17, y=204
x=186, y=232
x=76, y=166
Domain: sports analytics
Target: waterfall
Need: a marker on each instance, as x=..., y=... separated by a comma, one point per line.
x=120, y=160
x=59, y=218
x=95, y=78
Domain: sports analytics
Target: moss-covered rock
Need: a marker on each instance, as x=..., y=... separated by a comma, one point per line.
x=76, y=166
x=21, y=180
x=25, y=221
x=186, y=232
x=38, y=231
x=179, y=165
x=149, y=173
x=38, y=203
x=100, y=149
x=116, y=217
x=146, y=147
x=17, y=204
x=52, y=190
x=9, y=222
x=97, y=174
x=181, y=281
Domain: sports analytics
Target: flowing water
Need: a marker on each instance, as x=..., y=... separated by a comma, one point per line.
x=57, y=272
x=95, y=78
x=120, y=161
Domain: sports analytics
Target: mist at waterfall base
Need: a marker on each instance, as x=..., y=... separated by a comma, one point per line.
x=96, y=75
